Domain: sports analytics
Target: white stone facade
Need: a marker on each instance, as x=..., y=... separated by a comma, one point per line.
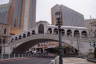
x=50, y=32
x=4, y=35
x=69, y=16
x=3, y=13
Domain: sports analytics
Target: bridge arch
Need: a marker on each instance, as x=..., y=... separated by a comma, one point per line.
x=43, y=30
x=22, y=48
x=25, y=46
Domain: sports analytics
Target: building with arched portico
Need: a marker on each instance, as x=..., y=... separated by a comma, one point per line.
x=43, y=32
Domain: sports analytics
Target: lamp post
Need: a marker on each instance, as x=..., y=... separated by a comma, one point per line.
x=59, y=23
x=78, y=44
x=93, y=44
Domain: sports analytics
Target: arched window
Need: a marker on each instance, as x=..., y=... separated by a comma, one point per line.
x=28, y=34
x=55, y=31
x=69, y=32
x=24, y=35
x=76, y=33
x=84, y=34
x=50, y=30
x=5, y=31
x=41, y=29
x=33, y=32
x=63, y=31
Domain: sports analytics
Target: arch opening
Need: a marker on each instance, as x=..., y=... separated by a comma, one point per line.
x=49, y=30
x=28, y=34
x=20, y=37
x=76, y=33
x=16, y=38
x=5, y=31
x=55, y=31
x=27, y=45
x=33, y=32
x=41, y=29
x=69, y=32
x=84, y=34
x=63, y=31
x=24, y=35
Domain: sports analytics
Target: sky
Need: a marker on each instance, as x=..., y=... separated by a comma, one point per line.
x=85, y=7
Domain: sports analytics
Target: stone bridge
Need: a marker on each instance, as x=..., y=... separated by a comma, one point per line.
x=44, y=32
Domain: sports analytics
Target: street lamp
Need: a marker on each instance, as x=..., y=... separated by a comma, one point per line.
x=59, y=23
x=93, y=44
x=77, y=36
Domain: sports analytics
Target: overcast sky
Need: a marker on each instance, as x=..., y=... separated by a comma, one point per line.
x=86, y=7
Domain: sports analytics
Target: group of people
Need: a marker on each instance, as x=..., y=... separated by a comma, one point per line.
x=36, y=52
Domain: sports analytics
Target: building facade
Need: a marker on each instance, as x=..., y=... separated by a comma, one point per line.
x=4, y=35
x=3, y=13
x=22, y=15
x=43, y=33
x=4, y=27
x=21, y=20
x=91, y=25
x=69, y=16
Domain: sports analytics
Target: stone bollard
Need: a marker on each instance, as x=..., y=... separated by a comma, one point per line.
x=22, y=55
x=9, y=56
x=57, y=60
x=52, y=62
x=14, y=56
x=18, y=55
x=2, y=56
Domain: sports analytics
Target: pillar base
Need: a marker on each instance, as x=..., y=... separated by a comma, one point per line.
x=6, y=50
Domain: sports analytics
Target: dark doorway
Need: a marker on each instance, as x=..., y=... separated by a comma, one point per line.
x=41, y=29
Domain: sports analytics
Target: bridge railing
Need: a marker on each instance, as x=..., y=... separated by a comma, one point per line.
x=36, y=36
x=44, y=36
x=21, y=37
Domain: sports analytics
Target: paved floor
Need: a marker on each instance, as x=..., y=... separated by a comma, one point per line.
x=76, y=61
x=33, y=60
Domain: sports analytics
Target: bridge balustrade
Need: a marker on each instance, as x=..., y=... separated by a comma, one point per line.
x=63, y=35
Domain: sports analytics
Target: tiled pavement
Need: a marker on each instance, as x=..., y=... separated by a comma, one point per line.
x=73, y=60
x=13, y=59
x=34, y=60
